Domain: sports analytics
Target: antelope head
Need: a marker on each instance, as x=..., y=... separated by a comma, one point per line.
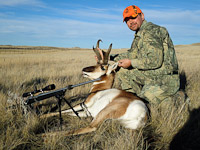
x=102, y=67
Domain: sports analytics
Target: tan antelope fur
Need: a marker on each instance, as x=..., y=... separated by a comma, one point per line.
x=105, y=102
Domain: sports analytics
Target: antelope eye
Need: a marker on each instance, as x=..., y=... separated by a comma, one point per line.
x=102, y=68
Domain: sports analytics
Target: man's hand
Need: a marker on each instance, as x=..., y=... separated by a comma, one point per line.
x=124, y=63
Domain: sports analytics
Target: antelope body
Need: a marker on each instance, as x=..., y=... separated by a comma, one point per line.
x=105, y=102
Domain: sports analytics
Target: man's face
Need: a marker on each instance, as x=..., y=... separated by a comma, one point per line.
x=135, y=23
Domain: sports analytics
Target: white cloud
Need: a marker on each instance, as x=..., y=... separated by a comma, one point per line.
x=88, y=13
x=91, y=23
x=48, y=27
x=174, y=16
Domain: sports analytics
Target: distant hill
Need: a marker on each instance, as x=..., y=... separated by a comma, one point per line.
x=12, y=47
x=194, y=44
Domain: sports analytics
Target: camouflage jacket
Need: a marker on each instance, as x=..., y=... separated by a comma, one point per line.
x=152, y=51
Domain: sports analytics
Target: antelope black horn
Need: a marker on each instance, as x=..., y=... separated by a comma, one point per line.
x=106, y=58
x=97, y=46
x=99, y=57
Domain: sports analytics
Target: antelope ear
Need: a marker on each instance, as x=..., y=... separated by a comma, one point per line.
x=112, y=67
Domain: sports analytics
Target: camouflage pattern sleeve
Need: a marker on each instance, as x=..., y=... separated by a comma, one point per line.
x=151, y=52
x=117, y=57
x=151, y=56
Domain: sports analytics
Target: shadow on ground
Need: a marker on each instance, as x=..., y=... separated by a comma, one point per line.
x=188, y=137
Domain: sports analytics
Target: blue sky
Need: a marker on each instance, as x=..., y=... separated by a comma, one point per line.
x=80, y=23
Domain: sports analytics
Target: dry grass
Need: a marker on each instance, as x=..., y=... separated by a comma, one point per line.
x=23, y=67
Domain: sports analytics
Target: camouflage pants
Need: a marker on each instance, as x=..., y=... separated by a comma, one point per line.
x=154, y=91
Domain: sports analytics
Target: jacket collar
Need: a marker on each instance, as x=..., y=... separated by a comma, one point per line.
x=139, y=32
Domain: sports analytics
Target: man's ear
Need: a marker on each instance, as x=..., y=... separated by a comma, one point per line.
x=142, y=16
x=112, y=67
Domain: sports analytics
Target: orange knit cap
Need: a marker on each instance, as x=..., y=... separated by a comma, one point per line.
x=131, y=11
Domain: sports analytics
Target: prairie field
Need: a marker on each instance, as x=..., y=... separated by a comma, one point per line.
x=22, y=68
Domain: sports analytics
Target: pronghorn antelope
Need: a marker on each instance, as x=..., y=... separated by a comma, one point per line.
x=105, y=102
